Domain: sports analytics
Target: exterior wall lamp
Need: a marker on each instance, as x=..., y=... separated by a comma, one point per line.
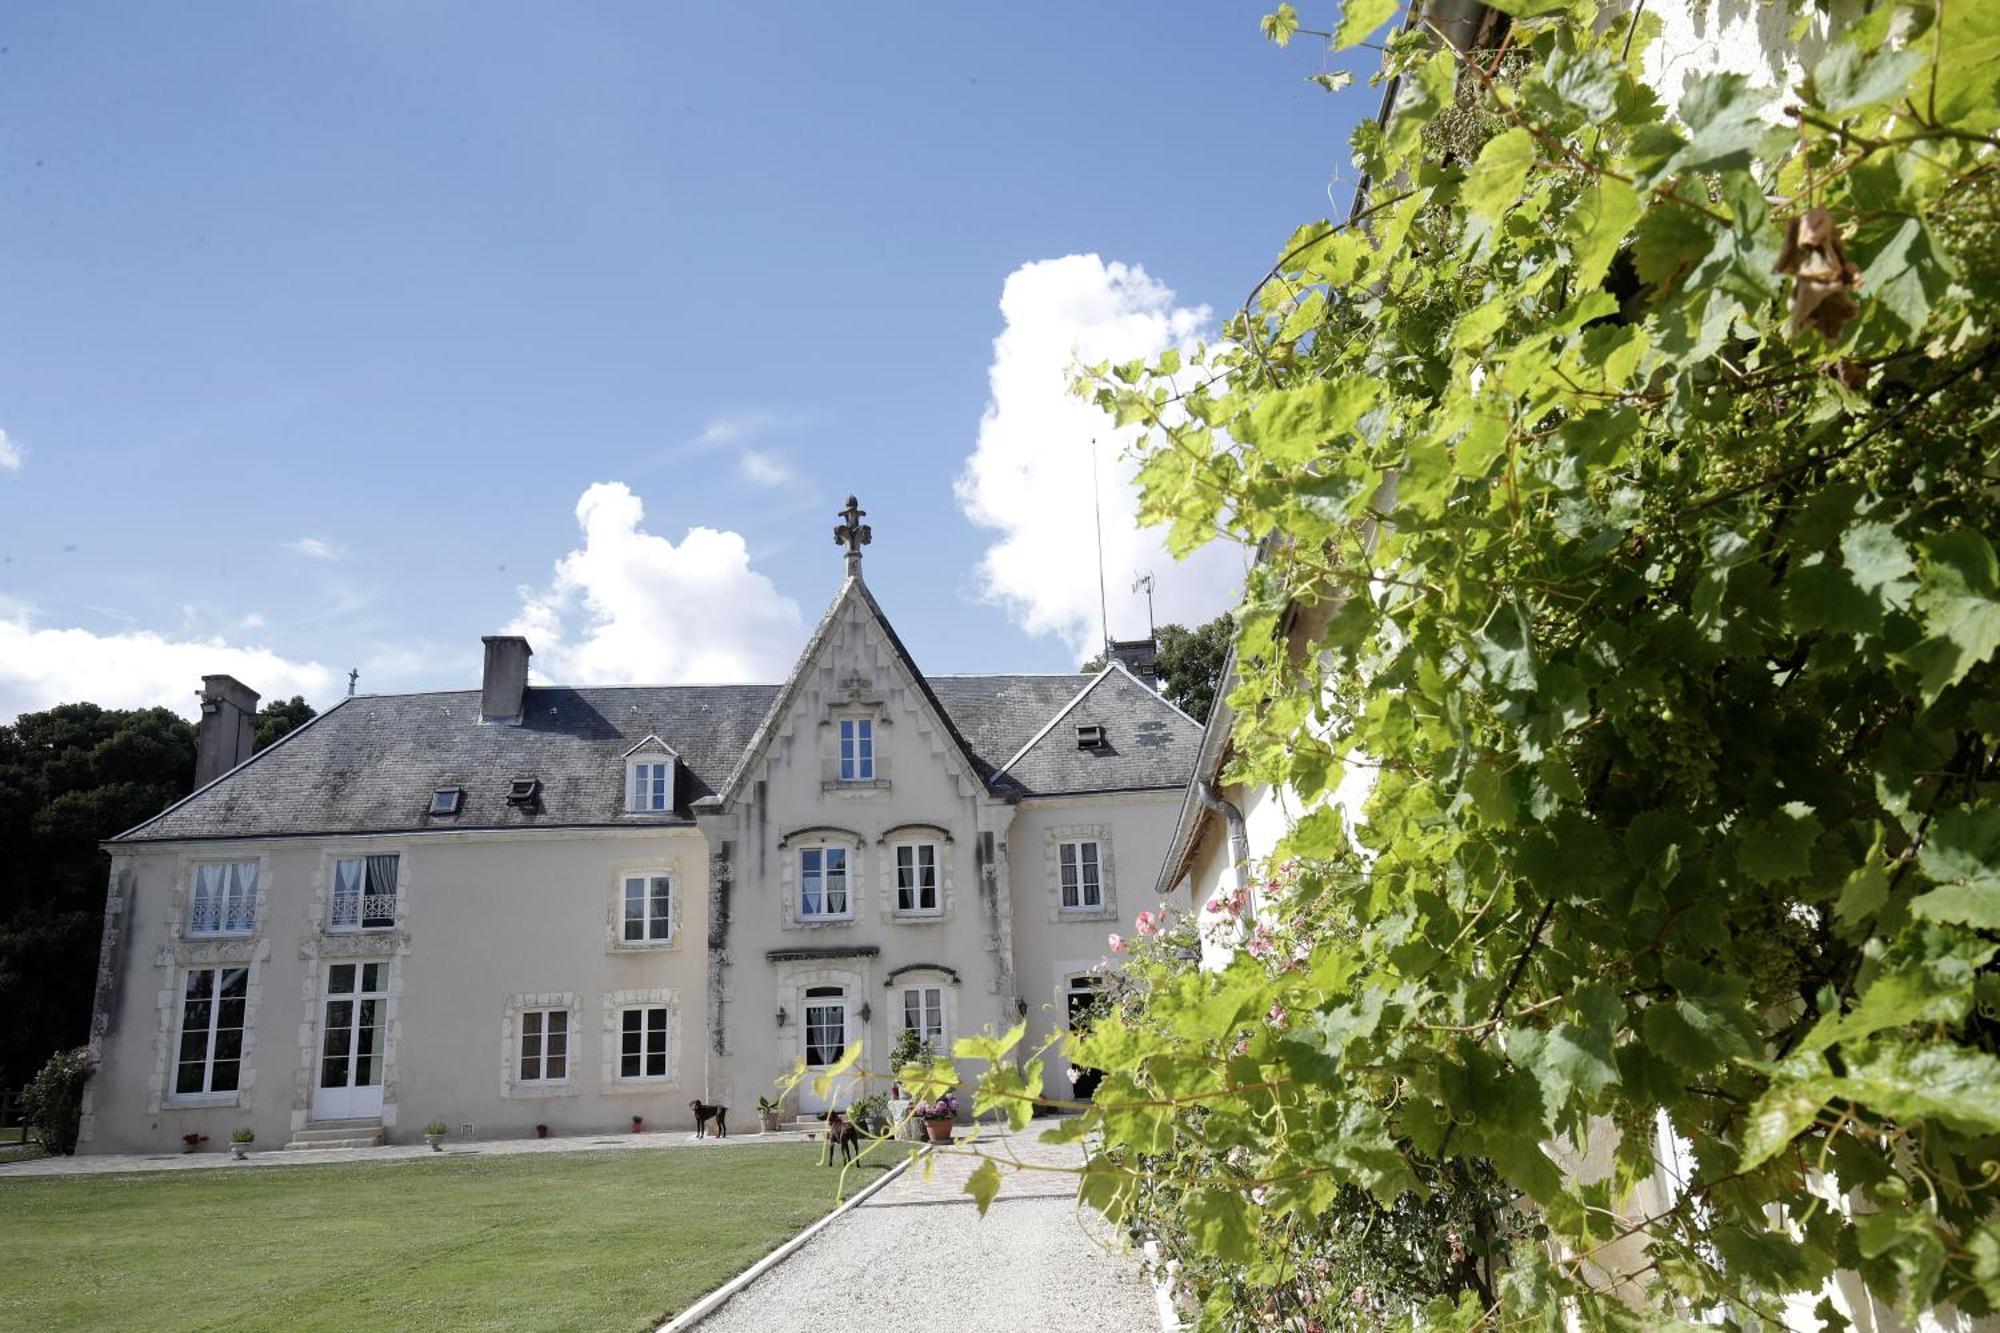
x=781, y=1015
x=866, y=1012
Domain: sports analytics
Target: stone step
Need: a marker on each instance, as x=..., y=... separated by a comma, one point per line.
x=338, y=1134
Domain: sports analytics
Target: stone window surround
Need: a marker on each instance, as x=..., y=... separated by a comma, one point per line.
x=789, y=848
x=320, y=946
x=853, y=707
x=183, y=893
x=1106, y=871
x=921, y=977
x=916, y=835
x=183, y=951
x=614, y=930
x=794, y=979
x=321, y=905
x=511, y=1086
x=615, y=1004
x=349, y=947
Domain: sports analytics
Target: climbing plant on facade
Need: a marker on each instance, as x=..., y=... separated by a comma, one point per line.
x=1625, y=481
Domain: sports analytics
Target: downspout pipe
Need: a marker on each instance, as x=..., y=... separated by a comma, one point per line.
x=1239, y=836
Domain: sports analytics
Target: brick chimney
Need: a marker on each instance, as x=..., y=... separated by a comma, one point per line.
x=227, y=733
x=504, y=687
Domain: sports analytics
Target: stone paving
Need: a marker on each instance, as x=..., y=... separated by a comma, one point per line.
x=216, y=1157
x=917, y=1253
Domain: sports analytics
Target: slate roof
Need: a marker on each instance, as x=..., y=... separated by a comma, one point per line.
x=370, y=764
x=1147, y=742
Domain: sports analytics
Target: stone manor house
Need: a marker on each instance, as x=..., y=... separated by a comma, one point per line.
x=531, y=905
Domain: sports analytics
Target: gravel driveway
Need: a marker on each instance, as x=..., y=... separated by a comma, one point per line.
x=919, y=1254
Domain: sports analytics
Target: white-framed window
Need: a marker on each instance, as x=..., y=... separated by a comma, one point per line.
x=642, y=1043
x=209, y=1059
x=544, y=1056
x=224, y=898
x=823, y=883
x=825, y=1024
x=649, y=785
x=923, y=1013
x=1079, y=867
x=364, y=892
x=857, y=749
x=917, y=877
x=648, y=906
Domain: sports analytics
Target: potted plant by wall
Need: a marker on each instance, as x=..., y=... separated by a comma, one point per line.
x=769, y=1112
x=541, y=1131
x=869, y=1114
x=193, y=1142
x=434, y=1134
x=638, y=1124
x=239, y=1143
x=939, y=1117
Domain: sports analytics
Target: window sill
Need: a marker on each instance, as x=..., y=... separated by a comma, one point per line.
x=203, y=1101
x=1086, y=914
x=665, y=1083
x=804, y=921
x=525, y=1091
x=644, y=946
x=220, y=934
x=857, y=786
x=361, y=930
x=918, y=918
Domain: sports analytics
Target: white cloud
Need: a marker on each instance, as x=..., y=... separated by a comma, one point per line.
x=764, y=469
x=733, y=427
x=629, y=606
x=12, y=455
x=1029, y=477
x=134, y=669
x=316, y=548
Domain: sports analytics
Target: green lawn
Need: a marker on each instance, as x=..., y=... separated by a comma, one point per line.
x=600, y=1240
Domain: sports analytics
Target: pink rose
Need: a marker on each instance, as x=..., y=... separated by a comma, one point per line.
x=1118, y=944
x=1146, y=923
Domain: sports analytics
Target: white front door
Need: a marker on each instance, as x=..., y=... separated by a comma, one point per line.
x=349, y=1085
x=827, y=1032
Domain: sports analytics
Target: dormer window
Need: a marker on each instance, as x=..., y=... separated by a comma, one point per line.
x=525, y=793
x=649, y=784
x=447, y=800
x=1089, y=736
x=857, y=749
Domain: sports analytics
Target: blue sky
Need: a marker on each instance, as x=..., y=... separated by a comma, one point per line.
x=319, y=322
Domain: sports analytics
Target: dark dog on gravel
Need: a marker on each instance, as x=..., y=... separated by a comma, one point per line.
x=841, y=1135
x=703, y=1113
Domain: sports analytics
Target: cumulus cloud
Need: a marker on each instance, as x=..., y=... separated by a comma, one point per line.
x=41, y=667
x=316, y=548
x=12, y=455
x=629, y=606
x=762, y=469
x=1030, y=474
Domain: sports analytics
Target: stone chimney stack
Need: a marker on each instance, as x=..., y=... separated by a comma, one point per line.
x=505, y=685
x=227, y=733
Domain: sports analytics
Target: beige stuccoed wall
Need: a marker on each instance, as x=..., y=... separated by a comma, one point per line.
x=920, y=779
x=1052, y=945
x=481, y=919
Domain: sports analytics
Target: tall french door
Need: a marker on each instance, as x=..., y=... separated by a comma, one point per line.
x=826, y=1033
x=349, y=1086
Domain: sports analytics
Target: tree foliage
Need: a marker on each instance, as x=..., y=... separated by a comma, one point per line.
x=281, y=717
x=1626, y=484
x=69, y=778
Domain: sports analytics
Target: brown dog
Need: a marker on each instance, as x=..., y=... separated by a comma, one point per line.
x=703, y=1113
x=841, y=1135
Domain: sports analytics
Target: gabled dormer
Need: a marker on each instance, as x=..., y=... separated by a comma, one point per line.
x=651, y=767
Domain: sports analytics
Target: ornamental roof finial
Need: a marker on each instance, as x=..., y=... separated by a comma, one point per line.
x=853, y=533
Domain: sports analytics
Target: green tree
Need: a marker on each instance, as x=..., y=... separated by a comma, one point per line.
x=282, y=717
x=1190, y=664
x=69, y=778
x=1624, y=480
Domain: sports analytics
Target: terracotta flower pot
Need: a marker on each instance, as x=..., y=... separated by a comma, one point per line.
x=939, y=1129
